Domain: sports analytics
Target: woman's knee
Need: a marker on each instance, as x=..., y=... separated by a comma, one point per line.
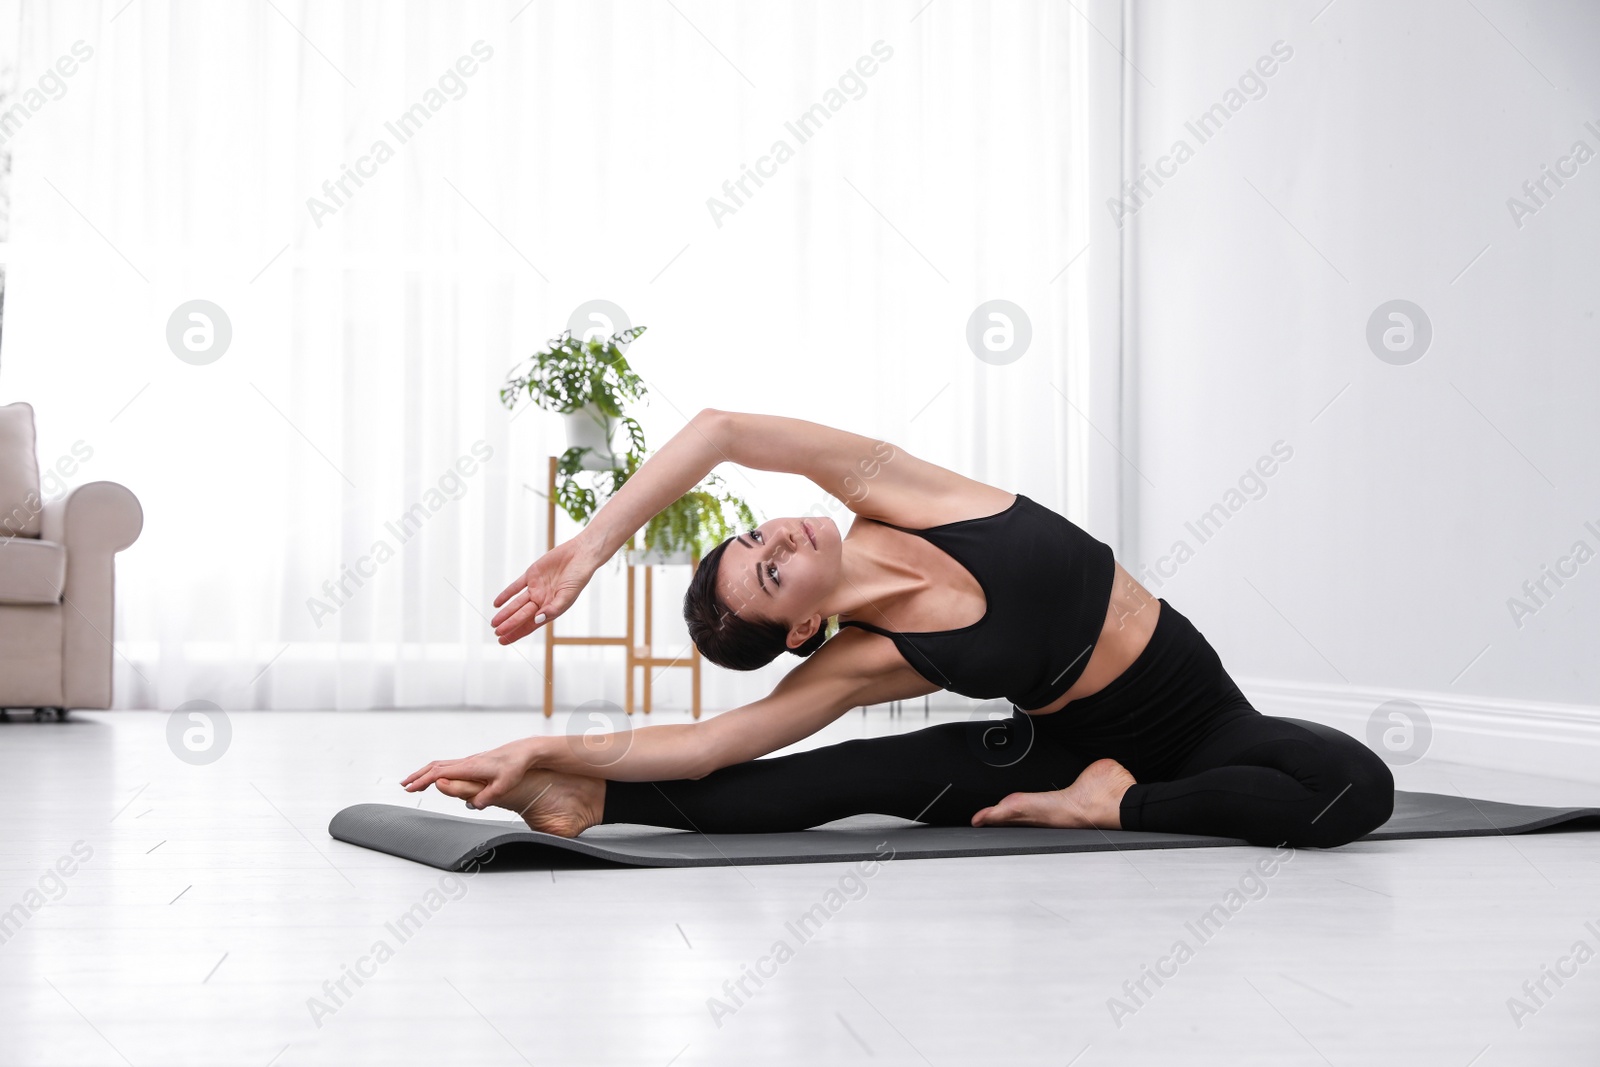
x=1358, y=791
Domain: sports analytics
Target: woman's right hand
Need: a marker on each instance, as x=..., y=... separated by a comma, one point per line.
x=498, y=769
x=544, y=591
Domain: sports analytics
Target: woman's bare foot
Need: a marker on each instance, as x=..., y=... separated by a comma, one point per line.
x=1094, y=800
x=552, y=803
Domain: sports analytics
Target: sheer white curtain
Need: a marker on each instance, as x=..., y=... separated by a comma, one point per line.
x=394, y=203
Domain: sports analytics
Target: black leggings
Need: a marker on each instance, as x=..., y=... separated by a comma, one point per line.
x=1204, y=760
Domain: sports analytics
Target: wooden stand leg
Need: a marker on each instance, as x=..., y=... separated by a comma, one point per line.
x=549, y=629
x=649, y=611
x=694, y=652
x=628, y=652
x=694, y=673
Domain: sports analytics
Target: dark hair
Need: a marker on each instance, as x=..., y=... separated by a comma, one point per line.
x=738, y=642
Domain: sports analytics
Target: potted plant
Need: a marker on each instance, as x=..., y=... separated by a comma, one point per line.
x=587, y=383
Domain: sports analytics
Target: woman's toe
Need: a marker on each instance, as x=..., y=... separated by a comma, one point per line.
x=1005, y=813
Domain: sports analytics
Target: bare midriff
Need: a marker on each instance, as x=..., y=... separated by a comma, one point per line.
x=1130, y=620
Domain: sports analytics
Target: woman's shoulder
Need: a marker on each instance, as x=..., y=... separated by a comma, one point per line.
x=946, y=509
x=914, y=494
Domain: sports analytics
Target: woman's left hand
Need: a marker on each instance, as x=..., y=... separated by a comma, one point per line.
x=545, y=590
x=499, y=769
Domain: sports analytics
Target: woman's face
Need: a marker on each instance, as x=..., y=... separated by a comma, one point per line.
x=782, y=570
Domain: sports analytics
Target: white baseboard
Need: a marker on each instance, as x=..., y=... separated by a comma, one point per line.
x=1558, y=740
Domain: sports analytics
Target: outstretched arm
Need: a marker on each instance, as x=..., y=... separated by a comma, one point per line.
x=838, y=461
x=549, y=587
x=852, y=669
x=871, y=477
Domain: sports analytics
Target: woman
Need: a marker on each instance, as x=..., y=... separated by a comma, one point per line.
x=1124, y=717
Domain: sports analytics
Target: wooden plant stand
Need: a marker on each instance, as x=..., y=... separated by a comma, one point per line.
x=636, y=656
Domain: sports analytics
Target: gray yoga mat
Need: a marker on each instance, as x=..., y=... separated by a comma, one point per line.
x=454, y=842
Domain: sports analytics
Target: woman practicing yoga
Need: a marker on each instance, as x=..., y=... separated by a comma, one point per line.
x=1123, y=716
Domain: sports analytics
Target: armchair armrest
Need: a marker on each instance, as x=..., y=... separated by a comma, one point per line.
x=96, y=517
x=94, y=521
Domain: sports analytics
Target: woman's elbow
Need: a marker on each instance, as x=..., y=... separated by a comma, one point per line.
x=708, y=759
x=711, y=753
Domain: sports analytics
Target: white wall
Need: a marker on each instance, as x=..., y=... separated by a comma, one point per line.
x=1379, y=560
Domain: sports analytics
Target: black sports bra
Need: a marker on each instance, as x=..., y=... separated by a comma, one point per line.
x=1046, y=583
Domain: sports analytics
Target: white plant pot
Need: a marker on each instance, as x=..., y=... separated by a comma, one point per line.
x=589, y=427
x=654, y=557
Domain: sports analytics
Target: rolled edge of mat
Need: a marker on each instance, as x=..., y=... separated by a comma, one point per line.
x=409, y=834
x=453, y=843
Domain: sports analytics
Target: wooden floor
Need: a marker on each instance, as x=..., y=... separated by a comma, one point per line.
x=208, y=919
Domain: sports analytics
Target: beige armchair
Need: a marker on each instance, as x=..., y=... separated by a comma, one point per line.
x=56, y=578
